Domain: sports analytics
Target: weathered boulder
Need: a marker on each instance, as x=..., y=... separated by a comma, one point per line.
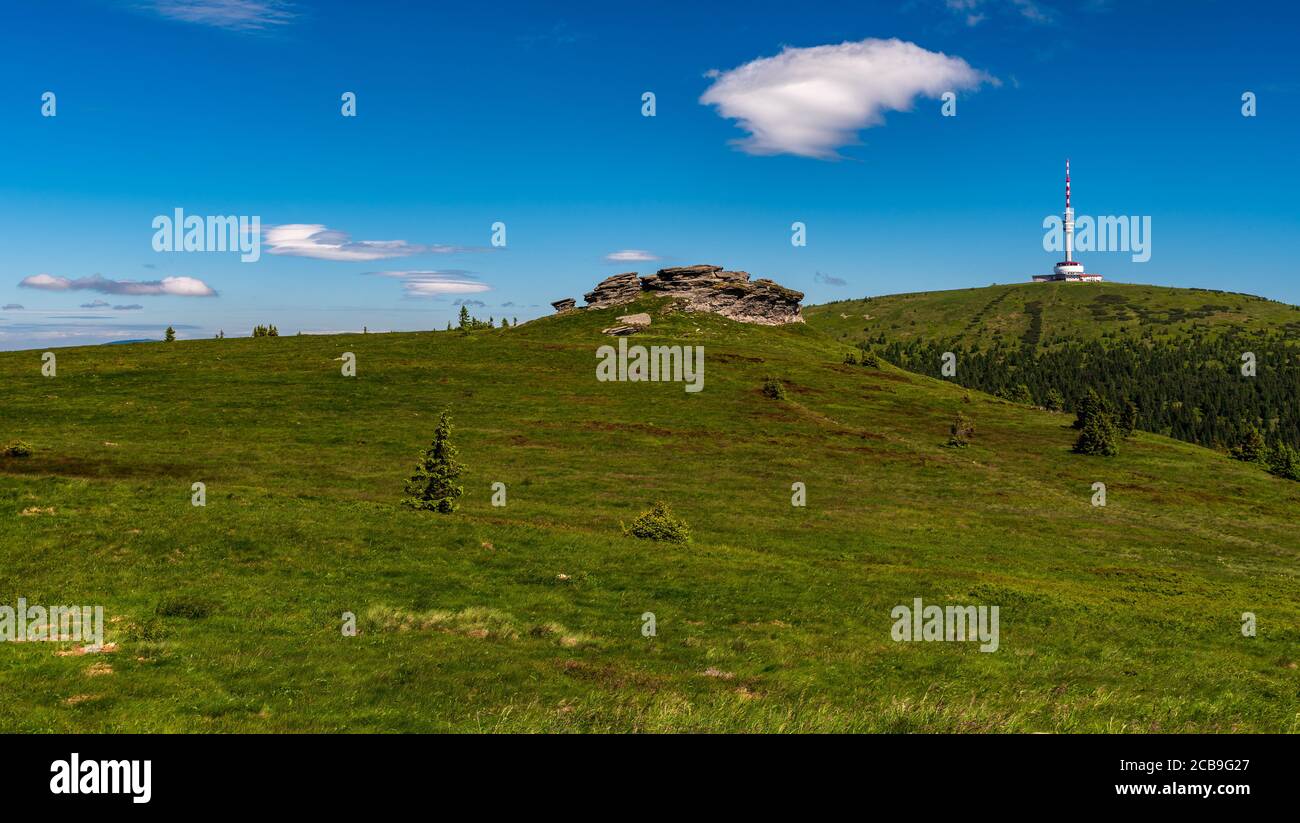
x=728, y=293
x=699, y=288
x=641, y=319
x=565, y=305
x=614, y=291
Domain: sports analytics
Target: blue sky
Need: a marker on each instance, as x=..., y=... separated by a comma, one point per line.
x=531, y=114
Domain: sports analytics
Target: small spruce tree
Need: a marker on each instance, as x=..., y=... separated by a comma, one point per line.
x=433, y=485
x=1090, y=405
x=1055, y=401
x=659, y=524
x=1284, y=461
x=170, y=335
x=1251, y=448
x=1128, y=418
x=1098, y=436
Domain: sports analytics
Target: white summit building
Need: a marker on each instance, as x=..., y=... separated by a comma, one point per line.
x=1068, y=269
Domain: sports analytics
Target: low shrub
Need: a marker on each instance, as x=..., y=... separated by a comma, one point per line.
x=18, y=449
x=773, y=388
x=960, y=432
x=659, y=524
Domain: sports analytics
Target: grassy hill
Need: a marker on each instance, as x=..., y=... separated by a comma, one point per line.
x=1045, y=314
x=1177, y=354
x=528, y=617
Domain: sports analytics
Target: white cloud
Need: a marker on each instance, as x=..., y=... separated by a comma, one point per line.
x=239, y=15
x=322, y=243
x=631, y=256
x=434, y=283
x=175, y=286
x=811, y=102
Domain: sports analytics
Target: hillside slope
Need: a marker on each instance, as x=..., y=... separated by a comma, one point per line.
x=1211, y=368
x=529, y=616
x=1048, y=313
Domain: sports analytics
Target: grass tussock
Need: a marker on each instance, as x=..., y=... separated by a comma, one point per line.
x=478, y=622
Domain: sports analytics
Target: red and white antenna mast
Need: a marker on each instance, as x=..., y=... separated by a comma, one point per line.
x=1069, y=217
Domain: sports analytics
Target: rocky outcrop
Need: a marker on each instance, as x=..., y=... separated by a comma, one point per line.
x=704, y=288
x=728, y=293
x=564, y=305
x=614, y=291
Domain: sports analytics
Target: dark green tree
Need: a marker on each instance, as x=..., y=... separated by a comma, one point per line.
x=1284, y=461
x=1055, y=401
x=1090, y=406
x=1128, y=418
x=1098, y=436
x=1251, y=448
x=1021, y=394
x=464, y=317
x=170, y=335
x=433, y=485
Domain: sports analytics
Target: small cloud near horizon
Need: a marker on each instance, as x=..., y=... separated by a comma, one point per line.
x=12, y=307
x=434, y=283
x=322, y=243
x=174, y=286
x=631, y=256
x=829, y=280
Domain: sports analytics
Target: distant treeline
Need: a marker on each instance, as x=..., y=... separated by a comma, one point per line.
x=1192, y=388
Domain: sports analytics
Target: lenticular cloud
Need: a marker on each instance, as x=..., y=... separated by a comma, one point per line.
x=811, y=102
x=176, y=286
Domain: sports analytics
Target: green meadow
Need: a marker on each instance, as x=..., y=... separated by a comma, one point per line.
x=529, y=616
x=1066, y=312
